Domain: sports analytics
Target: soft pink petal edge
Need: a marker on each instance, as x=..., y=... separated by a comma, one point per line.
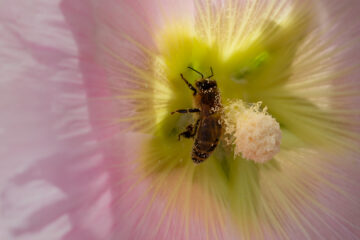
x=55, y=181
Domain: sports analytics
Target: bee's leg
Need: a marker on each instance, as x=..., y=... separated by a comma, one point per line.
x=189, y=85
x=190, y=110
x=190, y=131
x=196, y=127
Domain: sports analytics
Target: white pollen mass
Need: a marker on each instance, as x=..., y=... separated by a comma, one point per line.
x=254, y=133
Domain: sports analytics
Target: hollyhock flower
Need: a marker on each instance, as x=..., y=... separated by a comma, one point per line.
x=91, y=151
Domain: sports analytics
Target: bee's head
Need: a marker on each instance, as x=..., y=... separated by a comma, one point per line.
x=206, y=84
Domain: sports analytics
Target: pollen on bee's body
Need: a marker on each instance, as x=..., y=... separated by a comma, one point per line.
x=254, y=134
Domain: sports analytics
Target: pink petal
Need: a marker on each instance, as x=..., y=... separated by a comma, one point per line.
x=55, y=182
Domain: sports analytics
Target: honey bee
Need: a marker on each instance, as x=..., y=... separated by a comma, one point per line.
x=208, y=127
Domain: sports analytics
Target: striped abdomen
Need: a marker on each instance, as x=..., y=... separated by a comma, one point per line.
x=207, y=137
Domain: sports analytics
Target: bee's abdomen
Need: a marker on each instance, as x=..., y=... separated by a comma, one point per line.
x=202, y=150
x=199, y=157
x=207, y=138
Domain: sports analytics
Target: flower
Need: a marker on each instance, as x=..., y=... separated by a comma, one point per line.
x=91, y=150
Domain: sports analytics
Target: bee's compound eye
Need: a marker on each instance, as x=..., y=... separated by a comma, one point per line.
x=198, y=84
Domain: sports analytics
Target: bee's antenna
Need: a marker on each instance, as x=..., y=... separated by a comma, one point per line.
x=212, y=73
x=202, y=76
